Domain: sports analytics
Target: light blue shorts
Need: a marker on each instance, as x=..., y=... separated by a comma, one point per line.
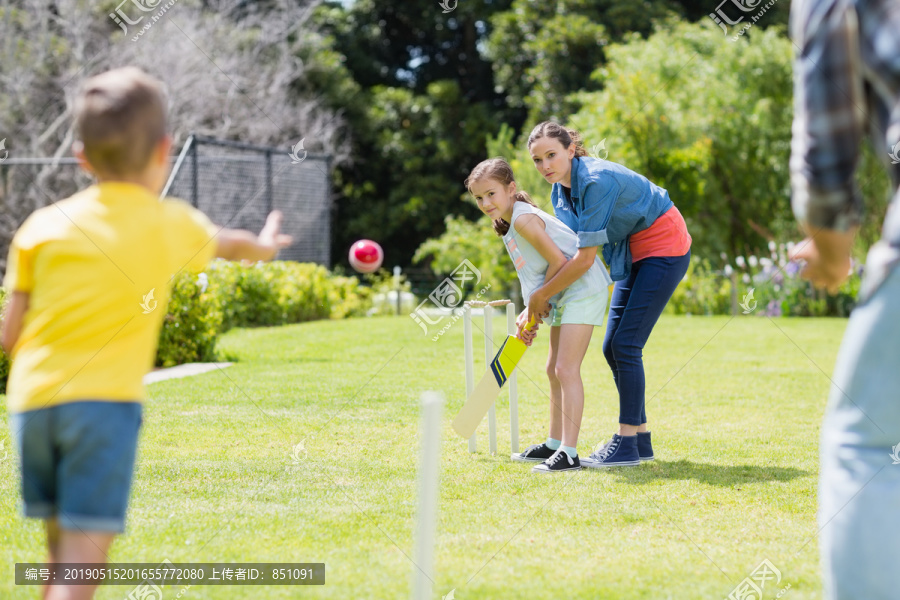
x=77, y=460
x=587, y=311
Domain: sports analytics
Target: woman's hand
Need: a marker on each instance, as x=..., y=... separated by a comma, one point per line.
x=538, y=308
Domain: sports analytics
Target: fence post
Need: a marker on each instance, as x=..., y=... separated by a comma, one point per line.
x=268, y=182
x=195, y=172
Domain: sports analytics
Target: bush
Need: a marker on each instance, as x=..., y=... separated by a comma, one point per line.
x=230, y=294
x=193, y=321
x=768, y=286
x=348, y=298
x=701, y=292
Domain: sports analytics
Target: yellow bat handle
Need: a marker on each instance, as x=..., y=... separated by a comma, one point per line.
x=531, y=323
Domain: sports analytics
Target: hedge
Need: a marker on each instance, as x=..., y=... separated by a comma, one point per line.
x=230, y=294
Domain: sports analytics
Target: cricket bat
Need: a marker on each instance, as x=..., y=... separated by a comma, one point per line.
x=485, y=393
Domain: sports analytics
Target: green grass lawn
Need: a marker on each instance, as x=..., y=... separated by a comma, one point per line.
x=734, y=405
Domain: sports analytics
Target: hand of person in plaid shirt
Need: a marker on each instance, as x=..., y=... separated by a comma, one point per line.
x=827, y=256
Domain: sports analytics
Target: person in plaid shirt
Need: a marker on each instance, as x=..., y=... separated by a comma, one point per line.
x=846, y=83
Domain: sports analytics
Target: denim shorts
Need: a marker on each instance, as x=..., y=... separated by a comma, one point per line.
x=77, y=461
x=587, y=311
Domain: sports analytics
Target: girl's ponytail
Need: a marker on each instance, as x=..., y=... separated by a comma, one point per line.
x=501, y=226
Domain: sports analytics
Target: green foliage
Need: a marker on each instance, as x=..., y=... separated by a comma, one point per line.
x=544, y=51
x=263, y=294
x=192, y=323
x=419, y=98
x=477, y=243
x=348, y=298
x=701, y=292
x=768, y=285
x=383, y=286
x=710, y=121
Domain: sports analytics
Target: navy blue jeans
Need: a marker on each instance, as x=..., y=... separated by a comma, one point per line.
x=635, y=306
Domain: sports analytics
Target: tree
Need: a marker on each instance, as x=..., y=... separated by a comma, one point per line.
x=707, y=119
x=423, y=104
x=231, y=70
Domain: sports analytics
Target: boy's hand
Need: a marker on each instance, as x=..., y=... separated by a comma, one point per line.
x=270, y=237
x=827, y=256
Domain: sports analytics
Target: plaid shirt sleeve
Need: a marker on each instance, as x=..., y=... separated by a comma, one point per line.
x=829, y=114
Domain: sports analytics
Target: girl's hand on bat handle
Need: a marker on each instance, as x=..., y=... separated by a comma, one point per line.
x=528, y=335
x=522, y=319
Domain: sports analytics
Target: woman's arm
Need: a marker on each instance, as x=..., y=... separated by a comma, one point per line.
x=568, y=274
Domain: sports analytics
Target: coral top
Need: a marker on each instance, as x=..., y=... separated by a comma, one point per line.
x=668, y=236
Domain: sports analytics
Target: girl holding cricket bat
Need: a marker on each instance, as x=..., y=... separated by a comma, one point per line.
x=647, y=248
x=540, y=245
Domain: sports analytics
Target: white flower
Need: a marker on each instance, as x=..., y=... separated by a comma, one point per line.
x=728, y=270
x=752, y=260
x=765, y=262
x=746, y=278
x=203, y=282
x=739, y=261
x=772, y=246
x=724, y=256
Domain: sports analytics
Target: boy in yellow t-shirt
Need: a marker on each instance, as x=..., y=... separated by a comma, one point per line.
x=89, y=279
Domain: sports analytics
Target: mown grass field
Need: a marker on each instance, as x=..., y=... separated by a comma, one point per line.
x=734, y=405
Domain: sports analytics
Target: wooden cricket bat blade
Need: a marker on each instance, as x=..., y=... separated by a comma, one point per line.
x=485, y=393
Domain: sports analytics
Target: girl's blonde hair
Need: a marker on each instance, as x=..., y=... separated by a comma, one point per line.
x=566, y=136
x=498, y=170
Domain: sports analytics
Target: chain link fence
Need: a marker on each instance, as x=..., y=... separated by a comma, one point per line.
x=235, y=184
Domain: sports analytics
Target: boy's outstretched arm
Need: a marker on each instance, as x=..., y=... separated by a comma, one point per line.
x=13, y=317
x=239, y=244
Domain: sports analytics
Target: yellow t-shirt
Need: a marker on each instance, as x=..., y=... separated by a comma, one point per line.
x=90, y=263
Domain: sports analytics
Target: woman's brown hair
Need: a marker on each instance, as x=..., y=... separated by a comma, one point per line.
x=498, y=170
x=566, y=136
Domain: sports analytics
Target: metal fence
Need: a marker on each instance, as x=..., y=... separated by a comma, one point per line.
x=238, y=184
x=235, y=184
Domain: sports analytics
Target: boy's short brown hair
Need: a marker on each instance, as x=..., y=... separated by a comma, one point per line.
x=120, y=117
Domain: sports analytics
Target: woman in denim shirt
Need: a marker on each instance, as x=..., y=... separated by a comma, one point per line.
x=647, y=249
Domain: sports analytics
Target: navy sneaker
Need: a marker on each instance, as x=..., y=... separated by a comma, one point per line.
x=621, y=451
x=535, y=453
x=558, y=463
x=645, y=448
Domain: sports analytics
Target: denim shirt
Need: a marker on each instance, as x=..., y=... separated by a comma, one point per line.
x=609, y=203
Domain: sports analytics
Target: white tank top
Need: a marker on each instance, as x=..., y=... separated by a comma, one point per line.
x=531, y=266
